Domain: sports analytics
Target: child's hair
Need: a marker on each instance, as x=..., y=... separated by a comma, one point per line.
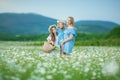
x=58, y=22
x=72, y=20
x=52, y=35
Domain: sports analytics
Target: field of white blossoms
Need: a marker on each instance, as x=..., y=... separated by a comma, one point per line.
x=19, y=61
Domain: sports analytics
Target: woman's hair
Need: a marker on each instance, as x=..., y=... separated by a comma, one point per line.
x=52, y=35
x=72, y=20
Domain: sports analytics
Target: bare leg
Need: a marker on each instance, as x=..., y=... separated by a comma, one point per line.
x=61, y=51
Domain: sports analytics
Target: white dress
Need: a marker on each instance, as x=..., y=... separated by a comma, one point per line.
x=49, y=38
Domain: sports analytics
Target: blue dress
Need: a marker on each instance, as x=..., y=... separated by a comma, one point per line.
x=59, y=36
x=68, y=46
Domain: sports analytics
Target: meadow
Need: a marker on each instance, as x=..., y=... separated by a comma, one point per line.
x=21, y=61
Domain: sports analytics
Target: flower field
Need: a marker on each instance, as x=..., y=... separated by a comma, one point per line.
x=22, y=62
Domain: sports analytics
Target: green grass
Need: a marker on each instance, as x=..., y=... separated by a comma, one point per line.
x=103, y=42
x=21, y=61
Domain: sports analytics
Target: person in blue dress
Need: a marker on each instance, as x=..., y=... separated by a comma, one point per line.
x=60, y=33
x=60, y=29
x=69, y=37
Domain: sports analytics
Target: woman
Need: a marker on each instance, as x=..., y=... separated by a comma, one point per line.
x=52, y=36
x=51, y=40
x=69, y=36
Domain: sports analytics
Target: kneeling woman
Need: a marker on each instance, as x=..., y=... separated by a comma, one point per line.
x=52, y=36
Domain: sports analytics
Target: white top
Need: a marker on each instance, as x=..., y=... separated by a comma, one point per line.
x=49, y=38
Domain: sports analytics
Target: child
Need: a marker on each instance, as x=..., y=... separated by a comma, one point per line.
x=60, y=33
x=60, y=29
x=69, y=37
x=52, y=36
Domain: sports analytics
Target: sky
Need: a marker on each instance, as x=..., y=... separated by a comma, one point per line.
x=107, y=10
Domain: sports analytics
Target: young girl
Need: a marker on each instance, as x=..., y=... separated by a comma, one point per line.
x=52, y=36
x=60, y=29
x=60, y=33
x=69, y=36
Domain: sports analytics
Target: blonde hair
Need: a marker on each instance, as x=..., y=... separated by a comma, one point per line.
x=58, y=23
x=72, y=20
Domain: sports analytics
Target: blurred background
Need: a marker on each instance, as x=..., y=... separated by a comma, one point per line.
x=97, y=22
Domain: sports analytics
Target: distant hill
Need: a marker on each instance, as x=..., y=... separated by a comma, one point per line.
x=94, y=26
x=25, y=24
x=114, y=33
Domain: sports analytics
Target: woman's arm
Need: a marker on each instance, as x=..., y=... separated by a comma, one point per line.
x=49, y=40
x=66, y=40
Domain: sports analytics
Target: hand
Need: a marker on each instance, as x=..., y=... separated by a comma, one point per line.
x=62, y=43
x=50, y=42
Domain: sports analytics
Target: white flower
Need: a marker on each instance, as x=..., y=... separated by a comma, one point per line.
x=38, y=65
x=101, y=59
x=30, y=58
x=86, y=69
x=15, y=78
x=67, y=76
x=45, y=64
x=33, y=77
x=49, y=77
x=42, y=70
x=54, y=70
x=110, y=68
x=94, y=73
